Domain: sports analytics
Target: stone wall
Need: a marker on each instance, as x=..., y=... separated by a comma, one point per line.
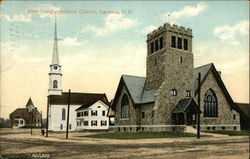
x=225, y=112
x=133, y=111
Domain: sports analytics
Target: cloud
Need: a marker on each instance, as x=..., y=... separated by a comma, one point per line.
x=186, y=12
x=148, y=29
x=17, y=18
x=112, y=23
x=71, y=42
x=231, y=34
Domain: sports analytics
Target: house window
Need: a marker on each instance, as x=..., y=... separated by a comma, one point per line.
x=152, y=47
x=103, y=113
x=55, y=84
x=78, y=123
x=78, y=114
x=93, y=122
x=142, y=114
x=185, y=44
x=21, y=122
x=173, y=41
x=98, y=106
x=156, y=45
x=210, y=104
x=63, y=114
x=61, y=126
x=187, y=93
x=173, y=92
x=179, y=41
x=103, y=123
x=69, y=126
x=86, y=123
x=181, y=59
x=234, y=116
x=86, y=113
x=125, y=107
x=93, y=112
x=161, y=42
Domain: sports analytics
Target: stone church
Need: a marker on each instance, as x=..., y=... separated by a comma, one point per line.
x=166, y=99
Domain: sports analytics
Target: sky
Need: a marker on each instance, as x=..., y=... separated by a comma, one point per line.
x=101, y=40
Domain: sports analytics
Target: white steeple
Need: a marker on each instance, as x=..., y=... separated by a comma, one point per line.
x=55, y=75
x=55, y=58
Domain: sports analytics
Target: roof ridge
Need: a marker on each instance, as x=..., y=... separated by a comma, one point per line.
x=204, y=65
x=83, y=93
x=133, y=76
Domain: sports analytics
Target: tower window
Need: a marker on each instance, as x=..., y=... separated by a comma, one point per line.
x=173, y=41
x=173, y=92
x=55, y=84
x=185, y=44
x=187, y=93
x=234, y=116
x=181, y=59
x=142, y=115
x=152, y=47
x=161, y=42
x=63, y=114
x=156, y=45
x=179, y=43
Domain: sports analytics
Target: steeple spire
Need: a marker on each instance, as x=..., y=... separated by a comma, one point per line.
x=55, y=58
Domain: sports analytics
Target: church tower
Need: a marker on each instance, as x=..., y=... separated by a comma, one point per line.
x=169, y=69
x=55, y=75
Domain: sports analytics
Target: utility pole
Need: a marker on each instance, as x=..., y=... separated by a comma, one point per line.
x=67, y=131
x=41, y=121
x=198, y=115
x=47, y=122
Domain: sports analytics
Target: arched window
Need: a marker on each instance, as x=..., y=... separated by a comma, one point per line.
x=125, y=107
x=63, y=114
x=210, y=104
x=55, y=84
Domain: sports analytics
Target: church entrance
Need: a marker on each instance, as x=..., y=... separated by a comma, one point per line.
x=185, y=112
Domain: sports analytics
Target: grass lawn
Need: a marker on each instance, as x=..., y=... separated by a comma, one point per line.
x=140, y=135
x=231, y=133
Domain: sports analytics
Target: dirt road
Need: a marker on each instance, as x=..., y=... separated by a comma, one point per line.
x=20, y=144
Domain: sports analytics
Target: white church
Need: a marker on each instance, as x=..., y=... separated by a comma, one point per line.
x=88, y=111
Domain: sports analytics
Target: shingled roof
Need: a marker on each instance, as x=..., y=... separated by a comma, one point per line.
x=245, y=109
x=203, y=70
x=135, y=88
x=78, y=98
x=183, y=104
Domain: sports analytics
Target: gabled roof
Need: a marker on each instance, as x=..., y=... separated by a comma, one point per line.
x=29, y=103
x=183, y=104
x=135, y=86
x=78, y=98
x=204, y=70
x=88, y=105
x=23, y=112
x=135, y=89
x=245, y=109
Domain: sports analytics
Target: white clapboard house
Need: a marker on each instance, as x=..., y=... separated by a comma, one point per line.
x=58, y=102
x=92, y=116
